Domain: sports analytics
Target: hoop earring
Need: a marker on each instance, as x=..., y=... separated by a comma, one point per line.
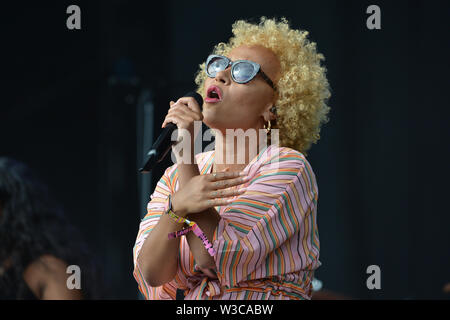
x=268, y=127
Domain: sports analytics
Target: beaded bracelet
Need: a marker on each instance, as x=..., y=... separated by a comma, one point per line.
x=179, y=233
x=199, y=233
x=192, y=227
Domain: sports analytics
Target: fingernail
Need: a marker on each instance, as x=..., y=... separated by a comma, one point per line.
x=242, y=173
x=242, y=190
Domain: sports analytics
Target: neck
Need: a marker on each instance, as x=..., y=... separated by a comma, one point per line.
x=235, y=150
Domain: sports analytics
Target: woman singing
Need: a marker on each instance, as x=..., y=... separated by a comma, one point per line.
x=233, y=223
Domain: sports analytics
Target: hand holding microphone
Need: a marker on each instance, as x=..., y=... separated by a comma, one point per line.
x=185, y=111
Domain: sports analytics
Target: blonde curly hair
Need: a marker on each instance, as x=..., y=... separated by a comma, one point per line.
x=303, y=89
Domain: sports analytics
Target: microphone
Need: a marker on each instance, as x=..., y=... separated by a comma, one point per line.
x=163, y=144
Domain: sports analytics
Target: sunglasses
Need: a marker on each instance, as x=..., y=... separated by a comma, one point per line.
x=242, y=71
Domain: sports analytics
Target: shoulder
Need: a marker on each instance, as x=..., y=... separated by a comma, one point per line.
x=279, y=166
x=276, y=158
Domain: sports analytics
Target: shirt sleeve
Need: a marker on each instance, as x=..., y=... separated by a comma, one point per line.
x=271, y=229
x=155, y=208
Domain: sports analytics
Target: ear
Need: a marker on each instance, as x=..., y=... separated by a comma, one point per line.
x=269, y=113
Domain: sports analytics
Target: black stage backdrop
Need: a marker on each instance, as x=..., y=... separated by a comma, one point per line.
x=69, y=109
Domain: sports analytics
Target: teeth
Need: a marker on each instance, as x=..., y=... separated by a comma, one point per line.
x=213, y=94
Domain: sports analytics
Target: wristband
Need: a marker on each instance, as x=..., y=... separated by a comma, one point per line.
x=192, y=227
x=169, y=211
x=199, y=233
x=179, y=233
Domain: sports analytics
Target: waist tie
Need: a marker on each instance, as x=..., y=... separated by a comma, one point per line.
x=203, y=288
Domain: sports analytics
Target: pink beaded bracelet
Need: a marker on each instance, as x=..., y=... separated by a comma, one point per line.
x=192, y=227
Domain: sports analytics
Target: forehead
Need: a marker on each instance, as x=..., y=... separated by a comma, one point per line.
x=264, y=57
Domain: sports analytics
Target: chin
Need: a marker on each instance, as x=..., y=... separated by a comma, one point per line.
x=212, y=124
x=210, y=116
x=209, y=122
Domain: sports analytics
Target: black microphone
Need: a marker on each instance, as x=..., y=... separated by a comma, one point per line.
x=164, y=143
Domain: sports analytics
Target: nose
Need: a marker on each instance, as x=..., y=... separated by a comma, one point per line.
x=223, y=76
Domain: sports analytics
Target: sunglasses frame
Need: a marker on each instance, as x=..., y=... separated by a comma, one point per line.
x=255, y=65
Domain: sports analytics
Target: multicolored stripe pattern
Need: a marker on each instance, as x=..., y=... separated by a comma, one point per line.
x=267, y=242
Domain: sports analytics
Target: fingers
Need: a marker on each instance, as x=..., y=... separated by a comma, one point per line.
x=187, y=103
x=222, y=180
x=218, y=202
x=173, y=118
x=223, y=184
x=178, y=116
x=220, y=184
x=225, y=175
x=226, y=193
x=191, y=103
x=180, y=111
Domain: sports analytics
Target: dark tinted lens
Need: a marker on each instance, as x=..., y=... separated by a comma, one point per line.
x=216, y=65
x=243, y=72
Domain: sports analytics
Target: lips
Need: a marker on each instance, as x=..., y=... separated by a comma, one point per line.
x=213, y=94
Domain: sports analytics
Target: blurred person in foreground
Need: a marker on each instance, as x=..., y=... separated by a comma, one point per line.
x=37, y=243
x=221, y=228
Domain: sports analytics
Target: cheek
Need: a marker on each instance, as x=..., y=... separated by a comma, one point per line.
x=206, y=84
x=252, y=99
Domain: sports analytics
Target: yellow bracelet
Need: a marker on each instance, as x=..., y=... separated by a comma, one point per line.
x=175, y=216
x=192, y=227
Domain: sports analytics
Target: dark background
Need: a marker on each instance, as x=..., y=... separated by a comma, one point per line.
x=69, y=109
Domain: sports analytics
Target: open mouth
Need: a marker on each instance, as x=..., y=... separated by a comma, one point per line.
x=213, y=94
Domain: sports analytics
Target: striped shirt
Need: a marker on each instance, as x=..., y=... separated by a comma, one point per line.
x=266, y=242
